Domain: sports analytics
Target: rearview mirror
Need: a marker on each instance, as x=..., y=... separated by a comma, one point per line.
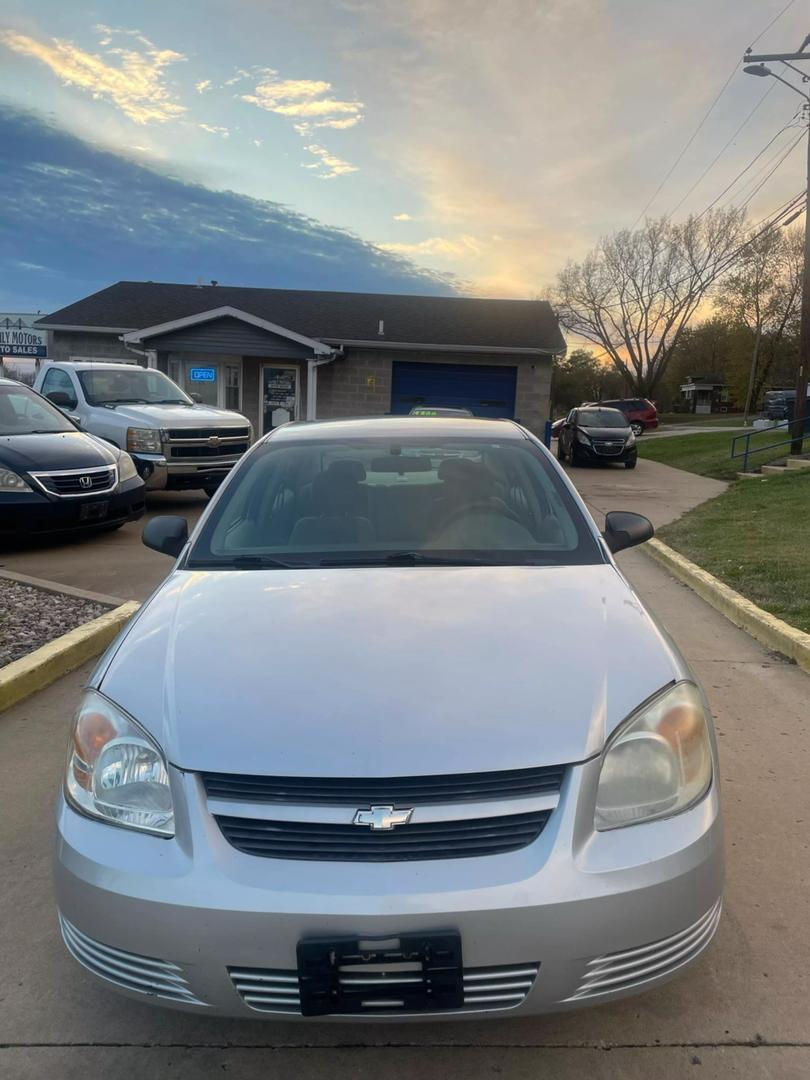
x=624, y=530
x=167, y=534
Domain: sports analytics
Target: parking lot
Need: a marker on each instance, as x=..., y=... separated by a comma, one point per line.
x=741, y=1012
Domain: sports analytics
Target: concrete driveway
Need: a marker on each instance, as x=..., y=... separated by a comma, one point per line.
x=742, y=1012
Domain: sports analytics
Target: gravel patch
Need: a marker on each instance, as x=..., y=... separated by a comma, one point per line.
x=31, y=617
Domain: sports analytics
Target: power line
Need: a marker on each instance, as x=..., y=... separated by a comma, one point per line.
x=778, y=164
x=744, y=170
x=717, y=157
x=705, y=117
x=773, y=21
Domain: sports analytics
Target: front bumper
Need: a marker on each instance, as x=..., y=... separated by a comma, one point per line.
x=161, y=474
x=33, y=513
x=196, y=907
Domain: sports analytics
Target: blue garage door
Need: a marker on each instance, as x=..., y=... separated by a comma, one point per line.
x=485, y=391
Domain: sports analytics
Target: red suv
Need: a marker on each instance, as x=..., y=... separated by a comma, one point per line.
x=641, y=414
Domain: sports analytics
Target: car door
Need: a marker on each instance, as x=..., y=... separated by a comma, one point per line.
x=567, y=433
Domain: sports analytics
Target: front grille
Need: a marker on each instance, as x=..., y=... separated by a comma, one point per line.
x=224, y=450
x=619, y=971
x=608, y=448
x=400, y=790
x=503, y=987
x=458, y=839
x=206, y=433
x=78, y=481
x=146, y=975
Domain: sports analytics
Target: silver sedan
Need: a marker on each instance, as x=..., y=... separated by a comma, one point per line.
x=394, y=738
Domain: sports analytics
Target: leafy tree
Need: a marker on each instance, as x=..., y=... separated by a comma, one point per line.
x=580, y=376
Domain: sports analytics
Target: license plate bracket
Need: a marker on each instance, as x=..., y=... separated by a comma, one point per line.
x=94, y=511
x=408, y=973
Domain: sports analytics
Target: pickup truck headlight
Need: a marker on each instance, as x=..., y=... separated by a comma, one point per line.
x=126, y=468
x=659, y=761
x=10, y=481
x=143, y=440
x=115, y=771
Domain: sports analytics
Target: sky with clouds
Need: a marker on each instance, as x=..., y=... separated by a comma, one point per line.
x=421, y=146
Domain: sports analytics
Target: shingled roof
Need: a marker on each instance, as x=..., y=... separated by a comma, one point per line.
x=333, y=317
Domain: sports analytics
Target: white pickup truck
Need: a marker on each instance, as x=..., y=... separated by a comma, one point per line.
x=176, y=443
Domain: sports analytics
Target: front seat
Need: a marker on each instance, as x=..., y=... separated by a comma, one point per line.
x=337, y=504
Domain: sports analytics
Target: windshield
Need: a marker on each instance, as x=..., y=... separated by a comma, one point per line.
x=378, y=501
x=22, y=412
x=599, y=418
x=118, y=386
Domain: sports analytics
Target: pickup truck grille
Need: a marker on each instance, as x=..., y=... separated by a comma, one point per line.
x=209, y=444
x=74, y=482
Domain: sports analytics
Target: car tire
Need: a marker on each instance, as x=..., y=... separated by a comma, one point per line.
x=630, y=464
x=574, y=457
x=637, y=428
x=560, y=451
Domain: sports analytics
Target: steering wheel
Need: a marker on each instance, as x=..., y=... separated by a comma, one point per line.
x=477, y=508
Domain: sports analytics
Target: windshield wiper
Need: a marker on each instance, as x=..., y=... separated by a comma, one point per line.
x=245, y=562
x=169, y=401
x=406, y=558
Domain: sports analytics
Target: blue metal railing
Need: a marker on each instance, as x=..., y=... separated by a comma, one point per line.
x=747, y=452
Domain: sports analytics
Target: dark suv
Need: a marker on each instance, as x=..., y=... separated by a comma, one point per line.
x=641, y=414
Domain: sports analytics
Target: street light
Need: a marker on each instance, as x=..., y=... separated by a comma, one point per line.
x=800, y=407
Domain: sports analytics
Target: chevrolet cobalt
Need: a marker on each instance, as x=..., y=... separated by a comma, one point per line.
x=394, y=738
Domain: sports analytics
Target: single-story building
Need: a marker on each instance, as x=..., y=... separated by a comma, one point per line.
x=704, y=394
x=281, y=354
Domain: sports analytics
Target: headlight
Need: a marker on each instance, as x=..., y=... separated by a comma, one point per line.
x=10, y=481
x=583, y=436
x=143, y=440
x=630, y=440
x=115, y=771
x=658, y=763
x=126, y=468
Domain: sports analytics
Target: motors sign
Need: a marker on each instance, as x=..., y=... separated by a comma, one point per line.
x=19, y=336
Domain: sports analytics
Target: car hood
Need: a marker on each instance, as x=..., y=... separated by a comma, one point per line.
x=191, y=416
x=385, y=672
x=65, y=450
x=608, y=433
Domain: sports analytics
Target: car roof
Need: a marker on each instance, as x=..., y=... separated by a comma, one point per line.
x=90, y=365
x=400, y=427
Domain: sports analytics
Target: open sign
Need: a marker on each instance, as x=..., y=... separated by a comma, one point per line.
x=203, y=374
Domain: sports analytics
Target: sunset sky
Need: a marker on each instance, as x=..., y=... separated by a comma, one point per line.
x=391, y=145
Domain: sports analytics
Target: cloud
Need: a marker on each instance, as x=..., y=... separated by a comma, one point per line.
x=212, y=129
x=441, y=247
x=311, y=104
x=135, y=84
x=329, y=165
x=202, y=86
x=101, y=217
x=402, y=217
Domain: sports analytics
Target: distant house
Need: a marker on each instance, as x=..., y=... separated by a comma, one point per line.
x=705, y=394
x=281, y=354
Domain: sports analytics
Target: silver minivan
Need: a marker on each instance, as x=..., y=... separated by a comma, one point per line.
x=395, y=737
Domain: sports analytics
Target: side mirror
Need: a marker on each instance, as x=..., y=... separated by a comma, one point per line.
x=624, y=530
x=166, y=534
x=196, y=398
x=61, y=400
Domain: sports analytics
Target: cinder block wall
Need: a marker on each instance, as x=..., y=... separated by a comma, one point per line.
x=359, y=384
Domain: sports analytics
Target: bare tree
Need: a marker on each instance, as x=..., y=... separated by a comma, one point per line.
x=763, y=294
x=637, y=290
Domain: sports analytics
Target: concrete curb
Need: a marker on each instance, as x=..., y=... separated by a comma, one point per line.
x=61, y=590
x=766, y=628
x=47, y=664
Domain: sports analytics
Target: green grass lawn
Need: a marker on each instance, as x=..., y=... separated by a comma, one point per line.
x=756, y=538
x=694, y=419
x=709, y=454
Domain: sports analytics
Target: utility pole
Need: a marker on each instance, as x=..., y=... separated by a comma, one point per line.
x=755, y=65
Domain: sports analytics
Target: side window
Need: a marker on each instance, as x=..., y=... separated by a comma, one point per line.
x=572, y=416
x=60, y=382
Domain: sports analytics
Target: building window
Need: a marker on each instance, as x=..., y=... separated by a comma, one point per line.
x=233, y=373
x=173, y=370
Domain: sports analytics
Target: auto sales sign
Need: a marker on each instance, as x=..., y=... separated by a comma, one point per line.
x=19, y=336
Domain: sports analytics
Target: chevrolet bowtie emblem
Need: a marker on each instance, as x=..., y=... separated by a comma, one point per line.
x=382, y=817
